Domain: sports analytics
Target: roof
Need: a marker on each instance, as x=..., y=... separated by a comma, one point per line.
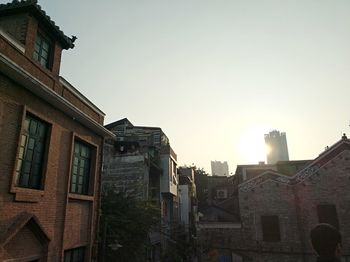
x=24, y=78
x=119, y=123
x=32, y=7
x=83, y=98
x=279, y=166
x=310, y=170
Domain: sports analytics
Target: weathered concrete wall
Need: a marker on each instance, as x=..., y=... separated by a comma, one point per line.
x=125, y=173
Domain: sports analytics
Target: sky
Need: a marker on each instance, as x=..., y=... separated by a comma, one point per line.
x=215, y=75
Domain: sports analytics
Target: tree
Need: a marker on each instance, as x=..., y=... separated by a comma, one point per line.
x=201, y=181
x=125, y=224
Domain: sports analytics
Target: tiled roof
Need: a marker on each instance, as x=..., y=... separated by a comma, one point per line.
x=307, y=172
x=33, y=7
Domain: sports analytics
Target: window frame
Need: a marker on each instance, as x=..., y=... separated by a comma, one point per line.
x=50, y=50
x=72, y=250
x=325, y=218
x=92, y=170
x=266, y=232
x=15, y=188
x=223, y=192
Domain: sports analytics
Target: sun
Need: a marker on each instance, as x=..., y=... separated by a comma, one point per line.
x=252, y=147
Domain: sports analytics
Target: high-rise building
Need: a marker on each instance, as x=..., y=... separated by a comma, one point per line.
x=219, y=168
x=278, y=149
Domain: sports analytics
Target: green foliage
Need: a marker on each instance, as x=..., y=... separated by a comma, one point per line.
x=200, y=171
x=126, y=221
x=201, y=181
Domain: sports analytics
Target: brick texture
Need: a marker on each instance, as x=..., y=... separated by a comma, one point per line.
x=68, y=220
x=296, y=207
x=54, y=210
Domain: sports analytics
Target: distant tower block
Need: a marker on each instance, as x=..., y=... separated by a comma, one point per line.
x=277, y=143
x=219, y=168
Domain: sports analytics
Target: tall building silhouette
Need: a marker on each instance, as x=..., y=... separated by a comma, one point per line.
x=219, y=168
x=277, y=143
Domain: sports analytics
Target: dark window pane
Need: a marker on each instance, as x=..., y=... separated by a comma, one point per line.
x=36, y=56
x=270, y=228
x=33, y=126
x=31, y=143
x=74, y=255
x=32, y=152
x=81, y=168
x=67, y=256
x=37, y=47
x=42, y=50
x=26, y=167
x=45, y=46
x=24, y=179
x=328, y=214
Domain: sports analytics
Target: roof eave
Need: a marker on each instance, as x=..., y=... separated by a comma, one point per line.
x=33, y=8
x=26, y=80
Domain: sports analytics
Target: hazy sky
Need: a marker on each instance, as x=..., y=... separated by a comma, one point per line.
x=215, y=75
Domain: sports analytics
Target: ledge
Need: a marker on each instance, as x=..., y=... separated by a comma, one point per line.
x=80, y=197
x=218, y=225
x=27, y=194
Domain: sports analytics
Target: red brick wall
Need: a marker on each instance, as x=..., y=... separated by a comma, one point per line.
x=24, y=238
x=51, y=205
x=16, y=26
x=48, y=77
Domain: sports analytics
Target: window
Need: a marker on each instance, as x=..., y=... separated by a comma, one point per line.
x=270, y=228
x=42, y=51
x=31, y=153
x=221, y=193
x=74, y=255
x=328, y=214
x=81, y=168
x=173, y=173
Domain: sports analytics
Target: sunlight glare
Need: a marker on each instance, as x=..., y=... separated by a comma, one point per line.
x=252, y=146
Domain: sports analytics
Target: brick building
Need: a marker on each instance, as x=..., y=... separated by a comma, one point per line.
x=278, y=210
x=51, y=142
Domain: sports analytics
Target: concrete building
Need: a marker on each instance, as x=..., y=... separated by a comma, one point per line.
x=277, y=211
x=277, y=144
x=140, y=162
x=132, y=161
x=219, y=168
x=51, y=141
x=187, y=197
x=221, y=202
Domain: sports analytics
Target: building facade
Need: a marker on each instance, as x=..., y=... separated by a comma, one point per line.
x=187, y=198
x=51, y=141
x=277, y=146
x=140, y=162
x=277, y=211
x=219, y=168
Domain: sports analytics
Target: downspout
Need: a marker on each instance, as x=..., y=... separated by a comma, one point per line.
x=98, y=204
